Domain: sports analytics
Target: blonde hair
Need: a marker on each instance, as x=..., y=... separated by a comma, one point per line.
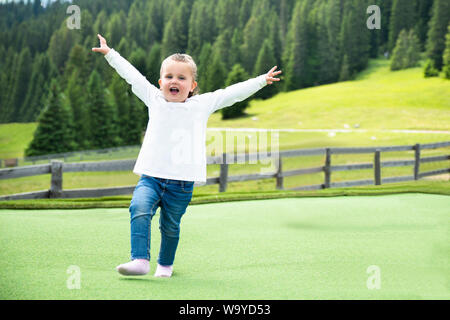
x=182, y=57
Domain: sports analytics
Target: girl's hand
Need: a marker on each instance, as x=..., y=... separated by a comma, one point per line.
x=103, y=46
x=270, y=76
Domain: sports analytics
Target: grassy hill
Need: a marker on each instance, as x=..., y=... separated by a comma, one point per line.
x=14, y=139
x=377, y=99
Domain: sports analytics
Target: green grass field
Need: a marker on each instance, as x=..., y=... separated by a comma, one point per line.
x=299, y=248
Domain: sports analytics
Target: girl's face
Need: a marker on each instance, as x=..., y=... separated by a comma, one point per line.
x=176, y=81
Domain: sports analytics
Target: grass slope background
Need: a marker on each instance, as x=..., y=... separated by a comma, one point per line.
x=308, y=248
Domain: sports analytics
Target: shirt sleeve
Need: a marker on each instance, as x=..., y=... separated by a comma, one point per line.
x=235, y=93
x=140, y=86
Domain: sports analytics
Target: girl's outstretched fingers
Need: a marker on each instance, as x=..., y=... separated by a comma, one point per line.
x=271, y=75
x=103, y=46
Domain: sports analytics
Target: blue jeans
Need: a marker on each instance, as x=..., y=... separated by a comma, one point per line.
x=173, y=197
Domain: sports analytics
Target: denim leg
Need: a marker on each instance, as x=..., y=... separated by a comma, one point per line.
x=173, y=205
x=145, y=202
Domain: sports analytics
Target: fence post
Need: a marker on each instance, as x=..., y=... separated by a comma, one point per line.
x=377, y=167
x=280, y=174
x=223, y=174
x=327, y=168
x=417, y=161
x=56, y=181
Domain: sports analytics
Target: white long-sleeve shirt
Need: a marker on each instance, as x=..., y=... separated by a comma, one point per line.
x=174, y=143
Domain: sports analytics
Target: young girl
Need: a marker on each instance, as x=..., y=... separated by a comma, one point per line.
x=177, y=121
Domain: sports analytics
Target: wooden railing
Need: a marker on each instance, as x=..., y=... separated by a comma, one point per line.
x=57, y=168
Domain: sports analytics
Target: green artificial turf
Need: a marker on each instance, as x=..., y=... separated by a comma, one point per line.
x=293, y=248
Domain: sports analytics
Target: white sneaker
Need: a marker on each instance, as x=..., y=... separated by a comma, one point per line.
x=163, y=271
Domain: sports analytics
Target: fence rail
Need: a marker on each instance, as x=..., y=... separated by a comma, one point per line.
x=56, y=168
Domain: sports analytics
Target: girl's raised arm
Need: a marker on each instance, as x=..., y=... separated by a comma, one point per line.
x=240, y=91
x=140, y=86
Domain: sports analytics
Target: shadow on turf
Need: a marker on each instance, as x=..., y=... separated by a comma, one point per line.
x=137, y=279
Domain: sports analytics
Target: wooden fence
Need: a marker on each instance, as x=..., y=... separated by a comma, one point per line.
x=56, y=169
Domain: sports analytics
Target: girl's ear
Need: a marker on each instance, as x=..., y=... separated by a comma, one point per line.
x=159, y=82
x=194, y=85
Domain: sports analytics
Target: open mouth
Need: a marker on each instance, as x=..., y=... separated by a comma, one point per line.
x=174, y=90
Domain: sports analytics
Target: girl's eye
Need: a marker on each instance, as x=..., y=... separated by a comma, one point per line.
x=169, y=77
x=181, y=78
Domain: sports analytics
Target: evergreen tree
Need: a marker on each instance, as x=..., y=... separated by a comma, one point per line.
x=406, y=51
x=200, y=26
x=226, y=14
x=430, y=70
x=385, y=9
x=138, y=119
x=296, y=50
x=124, y=47
x=8, y=72
x=136, y=24
x=3, y=82
x=328, y=46
x=223, y=45
x=245, y=13
x=402, y=17
x=100, y=114
x=121, y=100
x=413, y=52
x=42, y=72
x=399, y=60
x=116, y=29
x=275, y=38
x=53, y=133
x=153, y=64
x=436, y=33
x=176, y=31
x=446, y=57
x=255, y=32
x=203, y=63
x=37, y=7
x=87, y=21
x=355, y=39
x=312, y=56
x=79, y=60
x=216, y=73
x=345, y=73
x=285, y=16
x=101, y=22
x=155, y=16
x=423, y=8
x=236, y=75
x=20, y=85
x=77, y=102
x=138, y=59
x=266, y=60
x=235, y=50
x=60, y=45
